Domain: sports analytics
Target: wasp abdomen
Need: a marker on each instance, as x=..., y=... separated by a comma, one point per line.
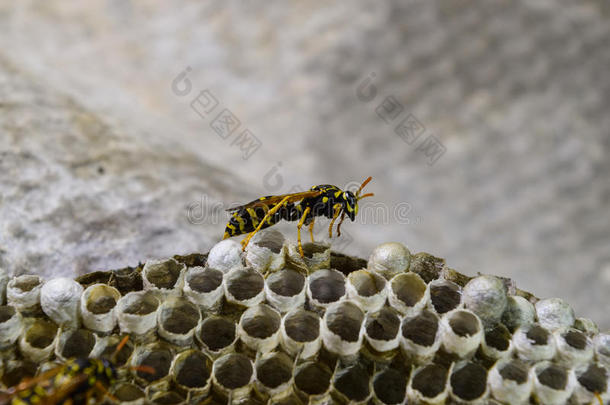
x=246, y=220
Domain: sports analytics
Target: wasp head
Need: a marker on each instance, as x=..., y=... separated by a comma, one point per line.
x=350, y=204
x=109, y=371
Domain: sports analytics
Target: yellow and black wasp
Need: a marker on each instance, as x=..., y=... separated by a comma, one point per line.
x=78, y=381
x=323, y=200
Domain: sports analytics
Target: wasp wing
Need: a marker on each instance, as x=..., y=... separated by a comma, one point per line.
x=30, y=382
x=274, y=199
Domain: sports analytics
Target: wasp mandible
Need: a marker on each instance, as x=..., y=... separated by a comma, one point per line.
x=323, y=200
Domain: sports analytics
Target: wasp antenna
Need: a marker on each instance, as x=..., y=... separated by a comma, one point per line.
x=121, y=344
x=144, y=369
x=119, y=347
x=366, y=195
x=364, y=183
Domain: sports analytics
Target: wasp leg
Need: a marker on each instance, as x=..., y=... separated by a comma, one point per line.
x=332, y=221
x=89, y=394
x=269, y=213
x=105, y=394
x=300, y=224
x=311, y=229
x=119, y=347
x=340, y=222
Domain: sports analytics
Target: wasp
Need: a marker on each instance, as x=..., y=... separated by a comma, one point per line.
x=323, y=200
x=78, y=381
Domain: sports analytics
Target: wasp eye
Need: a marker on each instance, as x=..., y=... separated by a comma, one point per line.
x=352, y=211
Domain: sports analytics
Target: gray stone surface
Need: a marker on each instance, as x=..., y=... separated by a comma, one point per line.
x=517, y=92
x=78, y=194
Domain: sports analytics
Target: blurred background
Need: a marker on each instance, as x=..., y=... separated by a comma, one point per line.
x=127, y=128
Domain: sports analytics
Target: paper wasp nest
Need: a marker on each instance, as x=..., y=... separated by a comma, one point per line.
x=267, y=326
